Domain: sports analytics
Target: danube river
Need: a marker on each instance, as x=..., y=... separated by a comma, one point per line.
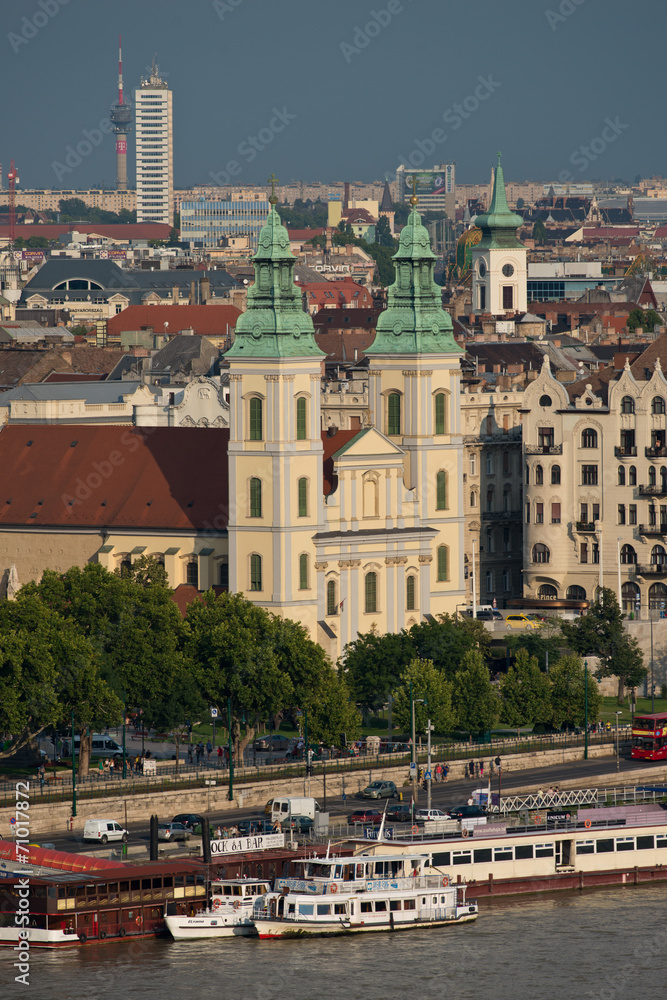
x=604, y=944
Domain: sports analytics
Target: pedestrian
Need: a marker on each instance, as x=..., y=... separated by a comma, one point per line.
x=219, y=756
x=498, y=764
x=100, y=768
x=471, y=768
x=106, y=766
x=209, y=749
x=42, y=775
x=218, y=833
x=190, y=753
x=476, y=769
x=481, y=768
x=445, y=772
x=491, y=767
x=112, y=768
x=438, y=772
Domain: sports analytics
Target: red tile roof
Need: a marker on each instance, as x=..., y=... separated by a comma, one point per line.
x=331, y=446
x=210, y=320
x=115, y=477
x=122, y=231
x=304, y=235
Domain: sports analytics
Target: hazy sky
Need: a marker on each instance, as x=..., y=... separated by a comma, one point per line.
x=345, y=89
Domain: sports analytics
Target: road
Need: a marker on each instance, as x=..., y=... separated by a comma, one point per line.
x=588, y=774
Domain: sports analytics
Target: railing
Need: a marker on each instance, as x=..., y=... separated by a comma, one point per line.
x=587, y=527
x=652, y=490
x=543, y=449
x=555, y=800
x=653, y=569
x=502, y=515
x=625, y=452
x=653, y=529
x=656, y=451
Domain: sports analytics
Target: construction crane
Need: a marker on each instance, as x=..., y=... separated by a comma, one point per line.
x=12, y=177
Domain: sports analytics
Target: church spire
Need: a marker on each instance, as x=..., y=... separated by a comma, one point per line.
x=274, y=324
x=499, y=224
x=414, y=321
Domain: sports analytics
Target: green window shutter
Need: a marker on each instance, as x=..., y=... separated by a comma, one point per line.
x=255, y=572
x=371, y=593
x=255, y=497
x=301, y=434
x=303, y=497
x=410, y=593
x=393, y=414
x=441, y=491
x=332, y=603
x=440, y=413
x=256, y=428
x=443, y=567
x=303, y=572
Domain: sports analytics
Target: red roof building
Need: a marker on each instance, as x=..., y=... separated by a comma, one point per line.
x=207, y=321
x=341, y=294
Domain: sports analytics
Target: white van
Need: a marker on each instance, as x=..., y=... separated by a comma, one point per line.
x=101, y=746
x=283, y=809
x=104, y=830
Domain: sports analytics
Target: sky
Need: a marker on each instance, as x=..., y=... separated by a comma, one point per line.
x=342, y=90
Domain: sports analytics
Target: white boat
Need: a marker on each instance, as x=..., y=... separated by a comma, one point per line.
x=357, y=894
x=229, y=913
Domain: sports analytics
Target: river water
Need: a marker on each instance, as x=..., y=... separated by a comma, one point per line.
x=607, y=945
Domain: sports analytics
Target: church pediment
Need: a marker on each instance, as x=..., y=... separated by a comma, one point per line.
x=369, y=442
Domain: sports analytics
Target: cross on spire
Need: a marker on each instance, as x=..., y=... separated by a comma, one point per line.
x=414, y=200
x=273, y=180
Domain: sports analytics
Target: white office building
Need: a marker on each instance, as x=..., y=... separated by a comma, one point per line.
x=155, y=147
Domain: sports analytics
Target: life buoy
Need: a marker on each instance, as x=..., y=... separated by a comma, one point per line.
x=415, y=829
x=138, y=921
x=464, y=833
x=237, y=904
x=445, y=880
x=121, y=932
x=587, y=824
x=83, y=938
x=538, y=820
x=217, y=904
x=103, y=934
x=333, y=888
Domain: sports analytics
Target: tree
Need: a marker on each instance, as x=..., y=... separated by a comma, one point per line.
x=600, y=633
x=178, y=703
x=645, y=318
x=446, y=640
x=546, y=644
x=344, y=234
x=333, y=713
x=19, y=243
x=540, y=234
x=373, y=665
x=475, y=699
x=569, y=692
x=383, y=235
x=429, y=685
x=519, y=204
x=525, y=692
x=37, y=243
x=174, y=238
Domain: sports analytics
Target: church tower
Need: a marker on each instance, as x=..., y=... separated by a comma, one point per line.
x=275, y=444
x=414, y=378
x=500, y=270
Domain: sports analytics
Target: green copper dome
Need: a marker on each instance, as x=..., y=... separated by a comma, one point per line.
x=499, y=224
x=274, y=324
x=414, y=321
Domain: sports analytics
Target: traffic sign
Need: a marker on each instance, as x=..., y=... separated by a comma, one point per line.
x=214, y=713
x=413, y=769
x=495, y=604
x=428, y=775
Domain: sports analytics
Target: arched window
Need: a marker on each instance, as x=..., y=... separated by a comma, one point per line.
x=651, y=475
x=301, y=427
x=545, y=400
x=539, y=475
x=575, y=593
x=589, y=438
x=441, y=491
x=527, y=474
x=303, y=571
x=473, y=498
x=489, y=500
x=302, y=489
x=223, y=575
x=658, y=555
x=393, y=414
x=370, y=593
x=255, y=410
x=663, y=479
x=443, y=562
x=489, y=581
x=547, y=592
x=632, y=476
x=192, y=573
x=657, y=597
x=555, y=475
x=628, y=555
x=332, y=599
x=410, y=598
x=507, y=582
x=440, y=413
x=507, y=498
x=621, y=475
x=255, y=572
x=125, y=566
x=255, y=497
x=629, y=594
x=657, y=405
x=541, y=553
x=627, y=405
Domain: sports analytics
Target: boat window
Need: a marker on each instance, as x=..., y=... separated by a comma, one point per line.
x=502, y=854
x=522, y=851
x=544, y=850
x=625, y=843
x=645, y=843
x=323, y=909
x=483, y=855
x=237, y=890
x=339, y=907
x=586, y=847
x=444, y=858
x=661, y=840
x=145, y=883
x=435, y=900
x=366, y=906
x=338, y=871
x=306, y=909
x=409, y=904
x=604, y=846
x=461, y=857
x=168, y=882
x=381, y=906
x=135, y=885
x=324, y=871
x=226, y=890
x=443, y=899
x=290, y=908
x=394, y=904
x=360, y=871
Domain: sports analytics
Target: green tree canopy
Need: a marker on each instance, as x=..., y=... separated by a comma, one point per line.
x=546, y=644
x=435, y=692
x=569, y=692
x=447, y=639
x=333, y=713
x=525, y=692
x=540, y=234
x=383, y=235
x=476, y=701
x=374, y=663
x=645, y=318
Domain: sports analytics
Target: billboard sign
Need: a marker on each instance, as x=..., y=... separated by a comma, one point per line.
x=239, y=845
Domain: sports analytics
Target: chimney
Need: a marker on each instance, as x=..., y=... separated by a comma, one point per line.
x=175, y=294
x=205, y=290
x=193, y=296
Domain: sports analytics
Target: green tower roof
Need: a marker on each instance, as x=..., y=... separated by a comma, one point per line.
x=414, y=321
x=274, y=324
x=499, y=224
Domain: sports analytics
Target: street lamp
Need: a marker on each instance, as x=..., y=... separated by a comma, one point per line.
x=638, y=606
x=585, y=709
x=429, y=730
x=413, y=702
x=617, y=756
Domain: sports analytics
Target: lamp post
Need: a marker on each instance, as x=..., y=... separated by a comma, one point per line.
x=230, y=750
x=73, y=770
x=638, y=606
x=618, y=762
x=652, y=679
x=474, y=583
x=429, y=729
x=413, y=702
x=585, y=709
x=124, y=748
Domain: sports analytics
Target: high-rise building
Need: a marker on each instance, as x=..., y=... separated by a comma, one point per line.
x=155, y=169
x=435, y=187
x=121, y=119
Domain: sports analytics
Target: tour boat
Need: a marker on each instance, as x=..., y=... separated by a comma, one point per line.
x=350, y=895
x=229, y=913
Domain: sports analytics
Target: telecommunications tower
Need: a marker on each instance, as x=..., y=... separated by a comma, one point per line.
x=121, y=119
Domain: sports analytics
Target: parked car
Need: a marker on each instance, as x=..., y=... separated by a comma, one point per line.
x=249, y=827
x=368, y=816
x=521, y=622
x=380, y=790
x=191, y=820
x=298, y=824
x=173, y=831
x=273, y=742
x=426, y=815
x=535, y=617
x=466, y=812
x=489, y=616
x=104, y=830
x=399, y=814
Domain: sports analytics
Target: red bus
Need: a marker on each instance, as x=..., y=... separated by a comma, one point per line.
x=649, y=737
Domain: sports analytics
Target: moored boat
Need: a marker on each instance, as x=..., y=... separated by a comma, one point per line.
x=229, y=913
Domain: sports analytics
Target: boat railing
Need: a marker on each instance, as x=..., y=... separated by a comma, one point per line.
x=333, y=886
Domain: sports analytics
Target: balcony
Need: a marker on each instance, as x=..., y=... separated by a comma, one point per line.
x=652, y=490
x=624, y=452
x=502, y=515
x=586, y=527
x=653, y=569
x=543, y=449
x=653, y=529
x=656, y=451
